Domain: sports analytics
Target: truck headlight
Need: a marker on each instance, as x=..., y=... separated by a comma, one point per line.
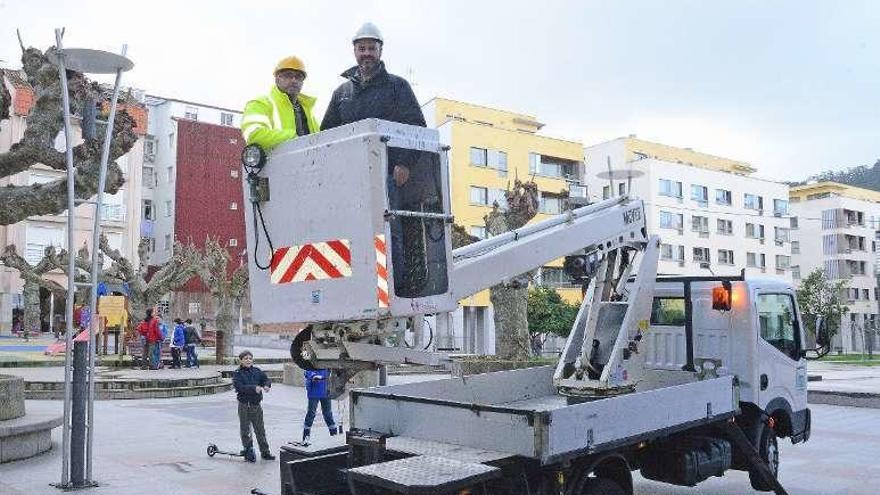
x=253, y=158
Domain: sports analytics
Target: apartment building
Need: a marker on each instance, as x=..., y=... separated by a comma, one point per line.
x=192, y=188
x=712, y=214
x=490, y=148
x=834, y=228
x=120, y=218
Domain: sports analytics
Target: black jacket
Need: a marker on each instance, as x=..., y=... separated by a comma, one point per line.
x=246, y=381
x=385, y=96
x=190, y=336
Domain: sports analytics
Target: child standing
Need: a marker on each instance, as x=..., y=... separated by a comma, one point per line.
x=250, y=383
x=316, y=389
x=177, y=342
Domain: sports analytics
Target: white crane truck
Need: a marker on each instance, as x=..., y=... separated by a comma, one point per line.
x=680, y=378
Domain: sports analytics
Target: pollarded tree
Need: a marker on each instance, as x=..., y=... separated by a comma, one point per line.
x=37, y=146
x=227, y=290
x=510, y=300
x=818, y=296
x=183, y=265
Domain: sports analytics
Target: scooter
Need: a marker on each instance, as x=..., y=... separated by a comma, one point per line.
x=212, y=449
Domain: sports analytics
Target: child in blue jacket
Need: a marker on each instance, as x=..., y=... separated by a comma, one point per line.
x=316, y=388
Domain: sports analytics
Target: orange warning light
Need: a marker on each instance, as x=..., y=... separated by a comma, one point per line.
x=721, y=297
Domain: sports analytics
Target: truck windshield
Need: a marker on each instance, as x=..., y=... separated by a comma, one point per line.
x=778, y=323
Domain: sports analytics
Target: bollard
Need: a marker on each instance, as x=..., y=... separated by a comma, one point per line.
x=79, y=399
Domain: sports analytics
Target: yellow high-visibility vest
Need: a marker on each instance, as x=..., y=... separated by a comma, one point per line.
x=270, y=120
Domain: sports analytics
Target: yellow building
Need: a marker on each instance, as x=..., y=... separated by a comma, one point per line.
x=490, y=149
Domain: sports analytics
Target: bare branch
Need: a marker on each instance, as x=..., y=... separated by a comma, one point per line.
x=20, y=43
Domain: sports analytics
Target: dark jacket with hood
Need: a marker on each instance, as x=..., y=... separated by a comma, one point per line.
x=385, y=96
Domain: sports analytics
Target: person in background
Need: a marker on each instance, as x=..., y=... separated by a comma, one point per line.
x=250, y=384
x=149, y=329
x=191, y=337
x=163, y=336
x=178, y=341
x=316, y=389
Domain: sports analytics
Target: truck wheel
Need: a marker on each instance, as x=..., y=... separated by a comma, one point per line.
x=600, y=486
x=768, y=449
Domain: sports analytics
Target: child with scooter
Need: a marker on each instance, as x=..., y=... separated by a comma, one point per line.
x=250, y=384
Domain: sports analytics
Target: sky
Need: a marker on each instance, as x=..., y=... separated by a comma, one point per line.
x=790, y=87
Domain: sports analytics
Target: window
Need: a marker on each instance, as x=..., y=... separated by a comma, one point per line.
x=753, y=202
x=701, y=255
x=167, y=242
x=754, y=231
x=149, y=211
x=796, y=273
x=780, y=234
x=168, y=208
x=552, y=276
x=700, y=194
x=756, y=260
x=670, y=252
x=606, y=192
x=793, y=223
x=670, y=188
x=621, y=189
x=776, y=316
x=233, y=242
x=725, y=227
x=780, y=207
x=700, y=224
x=725, y=257
x=151, y=243
x=552, y=167
x=498, y=161
x=479, y=157
x=866, y=294
x=668, y=311
x=169, y=172
x=233, y=205
x=39, y=238
x=671, y=220
x=478, y=231
x=191, y=113
x=233, y=174
x=225, y=118
x=723, y=197
x=795, y=247
x=149, y=177
x=479, y=195
x=194, y=308
x=782, y=262
x=150, y=146
x=549, y=204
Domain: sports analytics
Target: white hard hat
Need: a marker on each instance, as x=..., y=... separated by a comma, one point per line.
x=368, y=31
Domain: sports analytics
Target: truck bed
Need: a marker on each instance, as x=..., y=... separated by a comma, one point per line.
x=520, y=413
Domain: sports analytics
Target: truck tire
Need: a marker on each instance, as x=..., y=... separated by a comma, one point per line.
x=600, y=486
x=768, y=449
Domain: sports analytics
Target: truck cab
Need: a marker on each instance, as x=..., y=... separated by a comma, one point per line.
x=747, y=327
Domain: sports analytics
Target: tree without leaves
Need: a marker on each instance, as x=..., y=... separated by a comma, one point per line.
x=44, y=123
x=510, y=300
x=227, y=291
x=817, y=296
x=183, y=265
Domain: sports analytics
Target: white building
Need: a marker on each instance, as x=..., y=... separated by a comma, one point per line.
x=119, y=218
x=835, y=229
x=713, y=217
x=160, y=163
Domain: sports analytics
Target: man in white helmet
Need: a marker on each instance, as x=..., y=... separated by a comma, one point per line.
x=371, y=92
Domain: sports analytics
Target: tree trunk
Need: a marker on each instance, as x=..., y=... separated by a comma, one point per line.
x=31, y=323
x=510, y=300
x=511, y=321
x=224, y=321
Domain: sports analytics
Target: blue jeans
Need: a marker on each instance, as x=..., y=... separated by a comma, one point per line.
x=157, y=355
x=191, y=358
x=326, y=410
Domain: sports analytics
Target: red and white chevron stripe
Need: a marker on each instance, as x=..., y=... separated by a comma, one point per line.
x=315, y=261
x=381, y=271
